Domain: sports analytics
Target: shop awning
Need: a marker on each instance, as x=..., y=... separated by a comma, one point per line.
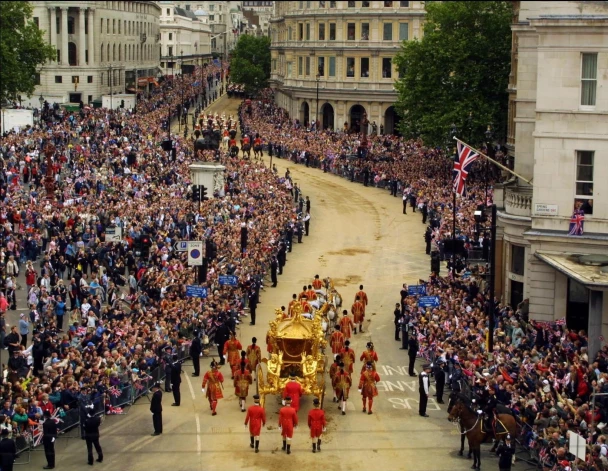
x=586, y=269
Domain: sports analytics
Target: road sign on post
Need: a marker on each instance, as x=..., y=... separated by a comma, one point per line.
x=228, y=280
x=180, y=245
x=113, y=234
x=195, y=253
x=193, y=291
x=428, y=301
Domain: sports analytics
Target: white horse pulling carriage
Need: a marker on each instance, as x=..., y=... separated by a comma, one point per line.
x=328, y=301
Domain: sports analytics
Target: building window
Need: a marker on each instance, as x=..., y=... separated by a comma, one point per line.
x=518, y=259
x=170, y=53
x=589, y=79
x=37, y=22
x=58, y=55
x=308, y=66
x=300, y=31
x=387, y=67
x=321, y=4
x=274, y=64
x=403, y=31
x=332, y=31
x=289, y=31
x=70, y=25
x=351, y=4
x=307, y=31
x=170, y=36
x=350, y=66
x=364, y=31
x=404, y=4
x=119, y=27
x=211, y=17
x=168, y=11
x=289, y=64
x=332, y=66
x=365, y=4
x=58, y=79
x=321, y=66
x=388, y=32
x=211, y=7
x=299, y=65
x=36, y=79
x=308, y=4
x=584, y=180
x=350, y=32
x=301, y=5
x=86, y=26
x=321, y=31
x=388, y=4
x=365, y=67
x=332, y=4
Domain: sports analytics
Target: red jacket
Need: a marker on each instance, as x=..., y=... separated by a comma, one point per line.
x=316, y=422
x=288, y=419
x=256, y=418
x=293, y=389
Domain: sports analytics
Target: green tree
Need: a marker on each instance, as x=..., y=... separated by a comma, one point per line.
x=22, y=50
x=250, y=62
x=457, y=73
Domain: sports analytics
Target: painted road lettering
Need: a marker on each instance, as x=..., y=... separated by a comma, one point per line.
x=393, y=384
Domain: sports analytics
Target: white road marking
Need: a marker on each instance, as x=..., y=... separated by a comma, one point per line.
x=190, y=386
x=198, y=434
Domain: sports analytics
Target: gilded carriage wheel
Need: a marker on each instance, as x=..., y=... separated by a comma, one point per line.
x=259, y=375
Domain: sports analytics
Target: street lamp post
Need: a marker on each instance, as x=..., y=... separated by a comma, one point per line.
x=181, y=108
x=169, y=102
x=453, y=132
x=318, y=78
x=111, y=80
x=489, y=135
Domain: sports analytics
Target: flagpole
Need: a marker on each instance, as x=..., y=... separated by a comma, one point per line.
x=494, y=161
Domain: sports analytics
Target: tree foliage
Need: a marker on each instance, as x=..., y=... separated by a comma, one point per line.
x=250, y=62
x=22, y=50
x=457, y=73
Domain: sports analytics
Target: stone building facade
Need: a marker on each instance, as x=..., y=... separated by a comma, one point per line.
x=558, y=138
x=342, y=53
x=101, y=47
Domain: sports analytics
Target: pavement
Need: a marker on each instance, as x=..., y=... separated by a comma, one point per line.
x=357, y=236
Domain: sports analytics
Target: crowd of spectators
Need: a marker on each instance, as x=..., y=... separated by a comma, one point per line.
x=541, y=372
x=123, y=302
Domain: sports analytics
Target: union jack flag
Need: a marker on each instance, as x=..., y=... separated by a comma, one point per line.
x=114, y=391
x=576, y=223
x=462, y=165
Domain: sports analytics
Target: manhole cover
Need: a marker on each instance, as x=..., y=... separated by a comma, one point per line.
x=594, y=260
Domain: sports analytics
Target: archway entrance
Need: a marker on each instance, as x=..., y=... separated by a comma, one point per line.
x=391, y=121
x=327, y=112
x=72, y=54
x=304, y=114
x=356, y=115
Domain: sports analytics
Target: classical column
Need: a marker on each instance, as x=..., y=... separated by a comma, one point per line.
x=82, y=47
x=64, y=36
x=91, y=36
x=53, y=28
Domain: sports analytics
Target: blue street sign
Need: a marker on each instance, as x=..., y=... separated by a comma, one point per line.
x=228, y=280
x=193, y=291
x=428, y=301
x=414, y=290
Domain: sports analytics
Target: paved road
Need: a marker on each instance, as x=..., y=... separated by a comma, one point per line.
x=358, y=236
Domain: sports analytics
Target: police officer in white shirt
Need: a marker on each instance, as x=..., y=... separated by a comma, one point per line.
x=423, y=388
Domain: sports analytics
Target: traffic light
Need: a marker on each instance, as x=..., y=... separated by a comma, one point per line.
x=196, y=193
x=146, y=243
x=204, y=193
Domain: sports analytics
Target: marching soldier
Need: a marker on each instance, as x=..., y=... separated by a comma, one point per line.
x=242, y=380
x=424, y=385
x=358, y=310
x=256, y=418
x=346, y=324
x=348, y=357
x=367, y=386
x=342, y=383
x=214, y=379
x=293, y=390
x=369, y=356
x=232, y=350
x=254, y=355
x=288, y=421
x=336, y=341
x=333, y=371
x=316, y=424
x=362, y=297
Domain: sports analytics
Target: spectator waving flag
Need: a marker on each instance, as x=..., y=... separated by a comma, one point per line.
x=462, y=165
x=576, y=223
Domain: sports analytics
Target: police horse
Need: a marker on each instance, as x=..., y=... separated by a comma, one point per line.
x=462, y=410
